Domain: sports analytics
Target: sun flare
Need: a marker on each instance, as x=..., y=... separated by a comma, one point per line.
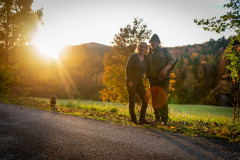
x=47, y=43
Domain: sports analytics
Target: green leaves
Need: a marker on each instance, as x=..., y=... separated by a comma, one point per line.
x=231, y=19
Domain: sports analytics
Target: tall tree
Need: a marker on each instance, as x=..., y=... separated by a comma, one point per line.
x=123, y=45
x=231, y=20
x=17, y=23
x=232, y=53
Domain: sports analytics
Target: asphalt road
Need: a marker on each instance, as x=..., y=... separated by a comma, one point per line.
x=27, y=133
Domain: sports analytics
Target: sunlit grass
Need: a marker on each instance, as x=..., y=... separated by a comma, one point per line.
x=82, y=102
x=177, y=111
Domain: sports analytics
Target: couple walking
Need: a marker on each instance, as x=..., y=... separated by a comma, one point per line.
x=155, y=62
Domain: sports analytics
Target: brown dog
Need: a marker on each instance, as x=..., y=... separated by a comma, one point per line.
x=53, y=100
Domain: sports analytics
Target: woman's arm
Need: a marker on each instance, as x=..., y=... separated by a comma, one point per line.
x=129, y=69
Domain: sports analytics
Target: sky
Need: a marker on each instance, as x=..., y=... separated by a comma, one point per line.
x=74, y=22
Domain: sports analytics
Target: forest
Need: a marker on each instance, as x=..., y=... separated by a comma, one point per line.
x=199, y=74
x=76, y=74
x=197, y=78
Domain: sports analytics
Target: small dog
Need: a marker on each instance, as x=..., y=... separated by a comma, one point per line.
x=53, y=100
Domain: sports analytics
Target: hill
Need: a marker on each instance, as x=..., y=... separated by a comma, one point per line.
x=94, y=45
x=88, y=48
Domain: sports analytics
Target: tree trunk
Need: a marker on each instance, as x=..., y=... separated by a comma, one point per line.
x=7, y=35
x=237, y=103
x=236, y=93
x=234, y=100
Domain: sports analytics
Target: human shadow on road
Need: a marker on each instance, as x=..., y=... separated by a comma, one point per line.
x=201, y=147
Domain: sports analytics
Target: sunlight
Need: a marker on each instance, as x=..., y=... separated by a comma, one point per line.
x=65, y=76
x=47, y=43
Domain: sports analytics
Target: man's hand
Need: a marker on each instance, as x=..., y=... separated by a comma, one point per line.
x=163, y=73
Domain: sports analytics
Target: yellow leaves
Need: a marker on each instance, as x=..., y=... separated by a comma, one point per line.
x=172, y=81
x=172, y=127
x=194, y=55
x=173, y=75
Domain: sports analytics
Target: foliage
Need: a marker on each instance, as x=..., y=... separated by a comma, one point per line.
x=198, y=73
x=232, y=54
x=230, y=20
x=76, y=74
x=124, y=44
x=17, y=23
x=7, y=79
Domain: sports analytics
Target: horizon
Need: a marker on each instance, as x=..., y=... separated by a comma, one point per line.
x=148, y=44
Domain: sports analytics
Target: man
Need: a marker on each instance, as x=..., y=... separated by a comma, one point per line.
x=159, y=62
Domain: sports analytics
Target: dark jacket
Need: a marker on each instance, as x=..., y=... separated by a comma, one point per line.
x=157, y=60
x=135, y=69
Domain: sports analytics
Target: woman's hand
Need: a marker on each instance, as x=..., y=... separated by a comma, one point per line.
x=130, y=84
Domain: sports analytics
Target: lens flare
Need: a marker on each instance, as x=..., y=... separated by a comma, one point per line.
x=158, y=97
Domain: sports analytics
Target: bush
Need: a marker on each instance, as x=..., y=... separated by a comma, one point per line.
x=7, y=79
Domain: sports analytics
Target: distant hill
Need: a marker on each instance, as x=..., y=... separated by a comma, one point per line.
x=94, y=45
x=88, y=48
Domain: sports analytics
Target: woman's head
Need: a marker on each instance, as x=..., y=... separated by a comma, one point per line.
x=142, y=48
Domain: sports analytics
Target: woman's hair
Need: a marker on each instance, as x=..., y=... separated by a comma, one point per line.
x=137, y=48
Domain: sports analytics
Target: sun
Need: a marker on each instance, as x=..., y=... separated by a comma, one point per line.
x=47, y=43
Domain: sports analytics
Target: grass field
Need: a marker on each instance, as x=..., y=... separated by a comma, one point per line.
x=82, y=102
x=206, y=111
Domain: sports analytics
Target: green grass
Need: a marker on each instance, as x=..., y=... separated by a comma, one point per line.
x=197, y=111
x=81, y=102
x=203, y=110
x=195, y=120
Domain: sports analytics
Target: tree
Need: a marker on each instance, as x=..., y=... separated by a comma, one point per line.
x=123, y=45
x=17, y=23
x=229, y=21
x=232, y=53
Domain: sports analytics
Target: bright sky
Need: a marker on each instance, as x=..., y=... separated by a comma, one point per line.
x=74, y=22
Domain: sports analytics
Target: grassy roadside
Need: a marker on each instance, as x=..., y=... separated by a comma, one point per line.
x=218, y=126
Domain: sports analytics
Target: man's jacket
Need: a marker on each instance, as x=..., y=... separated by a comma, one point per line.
x=157, y=60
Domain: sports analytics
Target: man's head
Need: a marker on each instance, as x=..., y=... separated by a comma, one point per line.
x=154, y=41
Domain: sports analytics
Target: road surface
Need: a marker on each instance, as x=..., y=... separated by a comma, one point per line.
x=27, y=133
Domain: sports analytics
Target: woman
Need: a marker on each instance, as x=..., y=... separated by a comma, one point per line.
x=136, y=67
